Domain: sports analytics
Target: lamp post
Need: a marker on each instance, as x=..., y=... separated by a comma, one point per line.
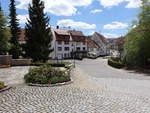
x=74, y=56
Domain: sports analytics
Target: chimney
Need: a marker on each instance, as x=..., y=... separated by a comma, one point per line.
x=57, y=27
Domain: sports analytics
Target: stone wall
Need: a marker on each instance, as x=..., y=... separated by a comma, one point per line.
x=5, y=59
x=21, y=62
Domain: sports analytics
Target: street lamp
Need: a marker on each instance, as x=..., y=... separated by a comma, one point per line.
x=74, y=55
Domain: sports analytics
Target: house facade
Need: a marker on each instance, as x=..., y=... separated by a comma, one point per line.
x=102, y=42
x=68, y=44
x=116, y=46
x=93, y=47
x=65, y=44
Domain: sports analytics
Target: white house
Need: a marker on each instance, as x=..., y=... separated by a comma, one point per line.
x=93, y=47
x=68, y=44
x=102, y=42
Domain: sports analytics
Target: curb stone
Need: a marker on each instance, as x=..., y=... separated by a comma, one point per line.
x=50, y=85
x=5, y=88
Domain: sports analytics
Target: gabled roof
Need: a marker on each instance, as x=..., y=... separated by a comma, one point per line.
x=76, y=33
x=91, y=43
x=100, y=36
x=118, y=41
x=61, y=32
x=77, y=36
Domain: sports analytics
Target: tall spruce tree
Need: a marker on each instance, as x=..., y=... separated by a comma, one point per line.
x=38, y=33
x=15, y=31
x=4, y=34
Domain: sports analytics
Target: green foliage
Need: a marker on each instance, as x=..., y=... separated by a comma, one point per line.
x=115, y=62
x=2, y=85
x=15, y=31
x=137, y=42
x=46, y=74
x=4, y=35
x=38, y=33
x=61, y=64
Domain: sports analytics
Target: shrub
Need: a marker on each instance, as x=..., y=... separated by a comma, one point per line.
x=62, y=64
x=2, y=85
x=115, y=62
x=46, y=74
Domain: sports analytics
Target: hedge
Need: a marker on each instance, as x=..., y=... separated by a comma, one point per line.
x=115, y=63
x=63, y=64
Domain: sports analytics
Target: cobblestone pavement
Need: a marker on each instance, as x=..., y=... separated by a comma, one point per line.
x=70, y=100
x=97, y=88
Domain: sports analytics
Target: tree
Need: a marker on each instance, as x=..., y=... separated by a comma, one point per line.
x=38, y=33
x=137, y=44
x=15, y=30
x=4, y=35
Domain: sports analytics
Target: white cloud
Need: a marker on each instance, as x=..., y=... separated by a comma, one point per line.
x=73, y=24
x=116, y=25
x=23, y=18
x=130, y=3
x=96, y=11
x=58, y=7
x=110, y=35
x=89, y=33
x=134, y=3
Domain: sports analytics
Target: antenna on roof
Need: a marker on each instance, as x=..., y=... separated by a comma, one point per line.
x=67, y=27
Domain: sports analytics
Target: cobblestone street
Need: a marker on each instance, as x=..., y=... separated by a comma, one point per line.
x=97, y=88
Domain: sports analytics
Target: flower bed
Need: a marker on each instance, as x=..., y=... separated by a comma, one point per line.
x=46, y=74
x=61, y=64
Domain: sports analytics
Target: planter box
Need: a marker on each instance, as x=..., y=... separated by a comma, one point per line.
x=5, y=59
x=21, y=62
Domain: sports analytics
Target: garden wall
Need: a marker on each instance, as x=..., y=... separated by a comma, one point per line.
x=20, y=62
x=7, y=60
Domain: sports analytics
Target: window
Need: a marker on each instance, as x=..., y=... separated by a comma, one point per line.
x=78, y=43
x=66, y=42
x=78, y=48
x=59, y=48
x=84, y=48
x=83, y=43
x=65, y=55
x=66, y=48
x=59, y=42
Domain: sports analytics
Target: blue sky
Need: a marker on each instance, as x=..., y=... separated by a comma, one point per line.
x=111, y=18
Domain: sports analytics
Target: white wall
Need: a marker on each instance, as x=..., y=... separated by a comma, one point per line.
x=72, y=47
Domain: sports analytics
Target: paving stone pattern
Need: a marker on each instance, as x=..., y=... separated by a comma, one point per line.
x=64, y=99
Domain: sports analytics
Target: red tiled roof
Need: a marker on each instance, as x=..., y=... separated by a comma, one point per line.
x=101, y=37
x=22, y=35
x=76, y=33
x=77, y=36
x=91, y=43
x=62, y=35
x=61, y=32
x=118, y=41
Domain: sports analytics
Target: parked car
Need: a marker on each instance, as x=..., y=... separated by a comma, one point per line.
x=92, y=55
